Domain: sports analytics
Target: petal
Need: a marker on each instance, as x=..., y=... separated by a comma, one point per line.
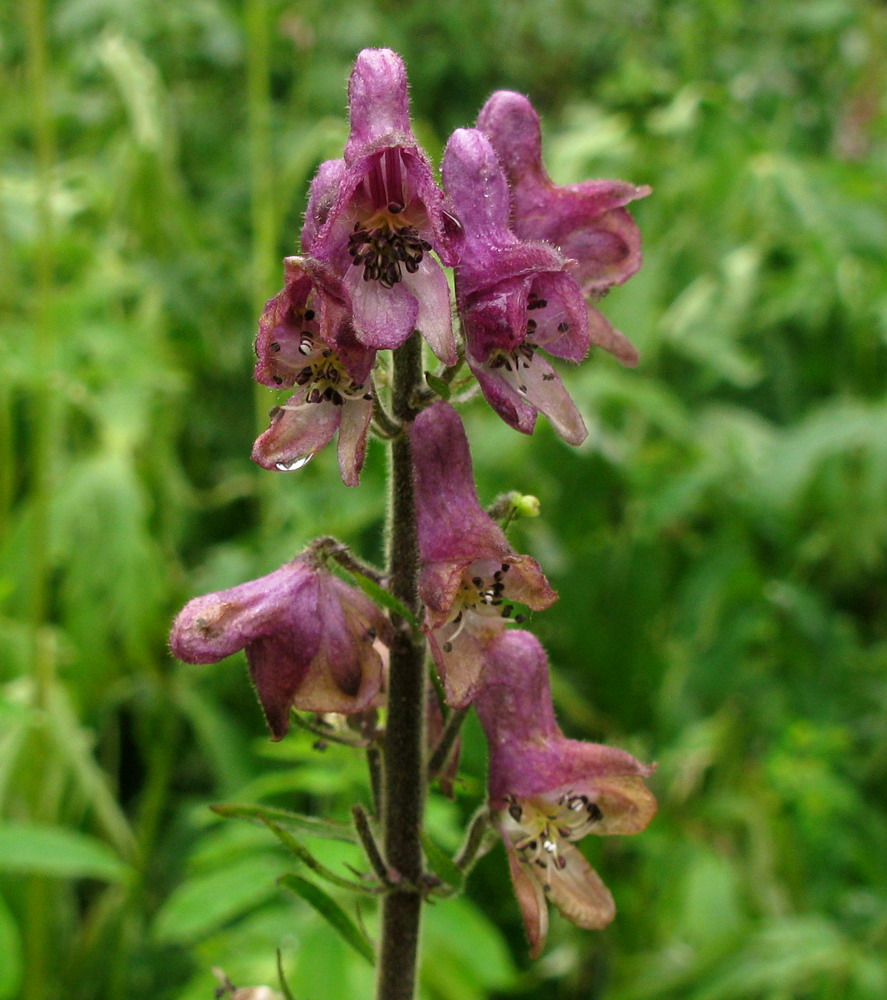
x=298, y=430
x=610, y=339
x=562, y=323
x=278, y=666
x=498, y=392
x=353, y=431
x=383, y=317
x=477, y=188
x=578, y=892
x=432, y=292
x=462, y=666
x=531, y=900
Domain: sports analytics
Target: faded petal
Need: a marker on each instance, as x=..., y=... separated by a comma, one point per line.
x=428, y=284
x=309, y=640
x=298, y=430
x=530, y=894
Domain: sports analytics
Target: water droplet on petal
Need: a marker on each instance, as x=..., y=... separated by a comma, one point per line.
x=299, y=463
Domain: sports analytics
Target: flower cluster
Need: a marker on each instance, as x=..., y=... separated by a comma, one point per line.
x=530, y=259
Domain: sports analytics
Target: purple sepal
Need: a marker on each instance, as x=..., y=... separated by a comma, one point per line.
x=469, y=573
x=308, y=636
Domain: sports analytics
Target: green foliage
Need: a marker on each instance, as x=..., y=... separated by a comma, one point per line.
x=718, y=543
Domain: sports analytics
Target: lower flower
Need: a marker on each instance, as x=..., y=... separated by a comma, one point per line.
x=547, y=791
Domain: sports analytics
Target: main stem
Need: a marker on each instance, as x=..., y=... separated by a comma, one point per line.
x=404, y=768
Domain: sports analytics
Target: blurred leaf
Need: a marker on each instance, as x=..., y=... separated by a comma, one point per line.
x=54, y=850
x=203, y=903
x=441, y=863
x=268, y=815
x=330, y=910
x=11, y=959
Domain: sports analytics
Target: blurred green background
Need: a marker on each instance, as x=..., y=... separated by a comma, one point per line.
x=718, y=542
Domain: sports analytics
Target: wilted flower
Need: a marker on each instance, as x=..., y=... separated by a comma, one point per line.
x=547, y=791
x=308, y=636
x=470, y=578
x=377, y=216
x=306, y=341
x=587, y=221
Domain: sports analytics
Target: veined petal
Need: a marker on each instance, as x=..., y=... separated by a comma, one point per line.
x=383, y=317
x=298, y=430
x=531, y=900
x=578, y=892
x=429, y=286
x=353, y=432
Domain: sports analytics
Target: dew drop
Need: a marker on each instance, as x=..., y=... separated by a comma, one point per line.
x=299, y=463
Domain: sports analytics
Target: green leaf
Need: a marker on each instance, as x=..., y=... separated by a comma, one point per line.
x=53, y=850
x=441, y=863
x=441, y=387
x=381, y=596
x=328, y=908
x=308, y=859
x=10, y=954
x=270, y=814
x=203, y=903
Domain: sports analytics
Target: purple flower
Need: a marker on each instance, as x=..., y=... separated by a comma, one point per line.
x=377, y=216
x=547, y=791
x=587, y=221
x=309, y=640
x=515, y=297
x=306, y=342
x=470, y=578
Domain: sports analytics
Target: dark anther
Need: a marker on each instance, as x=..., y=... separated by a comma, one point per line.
x=594, y=811
x=309, y=315
x=277, y=380
x=520, y=619
x=448, y=647
x=394, y=207
x=560, y=861
x=506, y=567
x=477, y=581
x=515, y=812
x=274, y=346
x=275, y=412
x=563, y=327
x=506, y=611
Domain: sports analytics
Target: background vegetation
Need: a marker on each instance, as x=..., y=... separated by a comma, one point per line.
x=718, y=543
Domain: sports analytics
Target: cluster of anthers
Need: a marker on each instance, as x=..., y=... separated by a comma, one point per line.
x=537, y=827
x=316, y=365
x=383, y=247
x=482, y=594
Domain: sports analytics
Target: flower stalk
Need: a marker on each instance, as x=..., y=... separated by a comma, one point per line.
x=403, y=762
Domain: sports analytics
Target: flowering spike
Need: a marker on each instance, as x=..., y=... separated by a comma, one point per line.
x=470, y=576
x=587, y=221
x=308, y=636
x=547, y=791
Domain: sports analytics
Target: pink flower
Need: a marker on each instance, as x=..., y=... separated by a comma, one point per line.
x=306, y=341
x=376, y=216
x=547, y=791
x=587, y=221
x=515, y=297
x=308, y=636
x=470, y=577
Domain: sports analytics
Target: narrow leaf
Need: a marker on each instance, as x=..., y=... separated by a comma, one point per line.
x=308, y=859
x=54, y=850
x=441, y=863
x=441, y=387
x=330, y=910
x=381, y=597
x=268, y=814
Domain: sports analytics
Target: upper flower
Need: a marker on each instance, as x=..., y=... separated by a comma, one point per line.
x=377, y=215
x=515, y=297
x=306, y=341
x=309, y=640
x=547, y=791
x=470, y=577
x=588, y=221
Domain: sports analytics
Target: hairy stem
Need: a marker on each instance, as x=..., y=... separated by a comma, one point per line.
x=404, y=766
